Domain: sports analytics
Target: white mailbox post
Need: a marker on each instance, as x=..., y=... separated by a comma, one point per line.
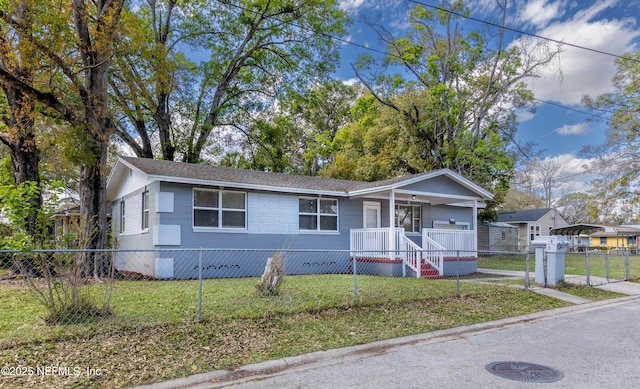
x=553, y=248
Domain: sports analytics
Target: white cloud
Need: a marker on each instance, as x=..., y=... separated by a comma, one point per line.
x=540, y=12
x=573, y=129
x=351, y=5
x=524, y=115
x=574, y=177
x=580, y=72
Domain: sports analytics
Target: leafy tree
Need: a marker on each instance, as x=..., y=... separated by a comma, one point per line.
x=74, y=39
x=618, y=159
x=18, y=128
x=519, y=199
x=454, y=94
x=149, y=70
x=577, y=207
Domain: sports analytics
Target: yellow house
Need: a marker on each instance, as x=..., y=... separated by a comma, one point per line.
x=616, y=237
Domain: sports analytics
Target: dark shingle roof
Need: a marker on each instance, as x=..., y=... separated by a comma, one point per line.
x=526, y=215
x=181, y=170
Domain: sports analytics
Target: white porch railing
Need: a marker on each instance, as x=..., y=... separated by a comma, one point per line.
x=433, y=253
x=462, y=241
x=374, y=243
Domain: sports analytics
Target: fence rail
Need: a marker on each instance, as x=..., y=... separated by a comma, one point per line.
x=147, y=286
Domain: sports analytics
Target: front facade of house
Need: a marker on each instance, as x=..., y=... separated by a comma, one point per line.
x=616, y=237
x=532, y=224
x=173, y=205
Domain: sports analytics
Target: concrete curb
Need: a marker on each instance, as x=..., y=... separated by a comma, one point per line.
x=218, y=377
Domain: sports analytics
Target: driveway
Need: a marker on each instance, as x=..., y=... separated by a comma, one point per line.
x=593, y=345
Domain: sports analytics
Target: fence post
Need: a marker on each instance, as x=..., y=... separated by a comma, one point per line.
x=606, y=265
x=626, y=265
x=355, y=277
x=457, y=272
x=544, y=267
x=527, y=281
x=200, y=285
x=586, y=254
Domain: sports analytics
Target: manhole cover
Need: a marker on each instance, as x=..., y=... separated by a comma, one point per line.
x=524, y=372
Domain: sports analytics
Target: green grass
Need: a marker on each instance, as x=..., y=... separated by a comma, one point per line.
x=575, y=263
x=155, y=335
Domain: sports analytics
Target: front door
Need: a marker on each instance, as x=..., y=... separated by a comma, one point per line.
x=371, y=212
x=371, y=219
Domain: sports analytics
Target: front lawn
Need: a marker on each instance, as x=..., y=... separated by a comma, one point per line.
x=155, y=335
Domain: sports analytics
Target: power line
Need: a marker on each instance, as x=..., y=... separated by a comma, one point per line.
x=523, y=32
x=365, y=47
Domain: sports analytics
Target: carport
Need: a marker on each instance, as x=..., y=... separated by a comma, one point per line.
x=576, y=229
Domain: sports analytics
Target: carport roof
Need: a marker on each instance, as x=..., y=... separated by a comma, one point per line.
x=576, y=229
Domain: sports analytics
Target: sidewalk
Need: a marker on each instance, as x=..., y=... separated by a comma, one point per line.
x=621, y=287
x=593, y=345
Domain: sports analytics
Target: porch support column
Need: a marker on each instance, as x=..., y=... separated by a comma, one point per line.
x=474, y=223
x=392, y=224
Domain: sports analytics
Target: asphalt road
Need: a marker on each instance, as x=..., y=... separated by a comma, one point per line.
x=594, y=345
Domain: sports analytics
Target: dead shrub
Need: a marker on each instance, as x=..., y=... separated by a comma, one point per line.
x=273, y=276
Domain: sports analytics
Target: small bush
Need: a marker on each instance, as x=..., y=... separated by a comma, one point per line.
x=273, y=276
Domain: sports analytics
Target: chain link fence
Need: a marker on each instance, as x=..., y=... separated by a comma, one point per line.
x=46, y=292
x=590, y=268
x=73, y=290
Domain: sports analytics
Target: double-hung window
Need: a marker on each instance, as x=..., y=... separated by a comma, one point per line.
x=122, y=216
x=316, y=214
x=408, y=217
x=219, y=209
x=145, y=210
x=534, y=232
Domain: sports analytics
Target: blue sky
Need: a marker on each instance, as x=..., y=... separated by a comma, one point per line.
x=609, y=25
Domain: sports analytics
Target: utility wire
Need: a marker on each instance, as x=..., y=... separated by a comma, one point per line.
x=523, y=32
x=365, y=47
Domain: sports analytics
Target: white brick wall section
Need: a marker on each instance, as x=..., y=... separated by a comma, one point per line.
x=272, y=214
x=133, y=214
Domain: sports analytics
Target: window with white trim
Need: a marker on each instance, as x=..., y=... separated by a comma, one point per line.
x=408, y=217
x=534, y=232
x=122, y=215
x=145, y=210
x=219, y=208
x=317, y=214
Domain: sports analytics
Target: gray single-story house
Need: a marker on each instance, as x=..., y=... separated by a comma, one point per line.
x=413, y=225
x=497, y=237
x=533, y=224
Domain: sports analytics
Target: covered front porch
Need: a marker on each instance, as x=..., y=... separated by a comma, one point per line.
x=442, y=252
x=424, y=229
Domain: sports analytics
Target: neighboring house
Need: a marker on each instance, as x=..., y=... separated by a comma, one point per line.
x=66, y=222
x=172, y=205
x=532, y=224
x=497, y=237
x=616, y=237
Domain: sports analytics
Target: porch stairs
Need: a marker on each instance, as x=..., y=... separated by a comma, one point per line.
x=428, y=272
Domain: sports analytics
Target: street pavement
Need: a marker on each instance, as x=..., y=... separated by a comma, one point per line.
x=593, y=345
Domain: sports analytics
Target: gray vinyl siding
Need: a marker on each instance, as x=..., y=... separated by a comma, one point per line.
x=349, y=216
x=443, y=212
x=134, y=238
x=441, y=185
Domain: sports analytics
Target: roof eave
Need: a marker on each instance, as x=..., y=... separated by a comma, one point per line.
x=240, y=185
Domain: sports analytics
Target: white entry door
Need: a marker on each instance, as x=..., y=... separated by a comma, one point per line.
x=371, y=212
x=371, y=219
